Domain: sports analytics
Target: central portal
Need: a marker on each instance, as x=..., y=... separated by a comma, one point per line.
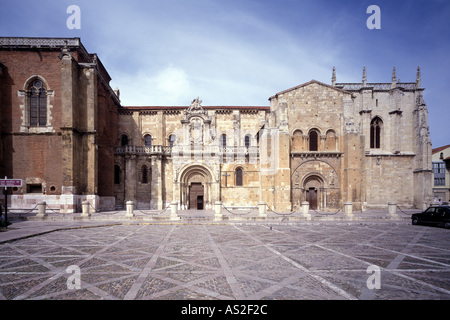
x=197, y=187
x=196, y=194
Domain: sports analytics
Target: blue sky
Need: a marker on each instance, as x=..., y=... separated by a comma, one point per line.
x=231, y=52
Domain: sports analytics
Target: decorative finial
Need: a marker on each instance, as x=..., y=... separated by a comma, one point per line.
x=333, y=77
x=364, y=78
x=394, y=78
x=418, y=80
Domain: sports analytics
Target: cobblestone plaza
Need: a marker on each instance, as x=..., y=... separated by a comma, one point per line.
x=243, y=261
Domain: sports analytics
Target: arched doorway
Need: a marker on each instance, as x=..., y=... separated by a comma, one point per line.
x=195, y=190
x=312, y=188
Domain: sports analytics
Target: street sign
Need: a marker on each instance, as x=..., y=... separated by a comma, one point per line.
x=9, y=183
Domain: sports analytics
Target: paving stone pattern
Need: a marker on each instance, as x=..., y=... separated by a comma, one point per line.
x=230, y=261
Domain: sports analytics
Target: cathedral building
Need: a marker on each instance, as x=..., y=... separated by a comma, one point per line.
x=65, y=133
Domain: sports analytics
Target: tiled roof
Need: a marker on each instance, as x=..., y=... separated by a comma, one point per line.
x=436, y=150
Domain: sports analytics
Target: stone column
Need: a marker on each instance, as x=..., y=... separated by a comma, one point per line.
x=218, y=211
x=173, y=211
x=130, y=177
x=262, y=209
x=392, y=209
x=305, y=210
x=85, y=209
x=41, y=209
x=130, y=209
x=348, y=210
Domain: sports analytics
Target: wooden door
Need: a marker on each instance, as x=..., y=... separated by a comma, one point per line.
x=195, y=193
x=311, y=197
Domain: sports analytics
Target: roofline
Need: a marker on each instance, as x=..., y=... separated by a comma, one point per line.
x=436, y=150
x=308, y=83
x=137, y=108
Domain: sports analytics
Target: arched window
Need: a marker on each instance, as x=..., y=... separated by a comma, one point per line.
x=116, y=174
x=313, y=140
x=124, y=140
x=223, y=140
x=38, y=104
x=247, y=141
x=375, y=133
x=144, y=174
x=239, y=177
x=172, y=140
x=148, y=140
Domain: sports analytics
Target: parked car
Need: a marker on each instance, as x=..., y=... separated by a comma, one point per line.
x=433, y=215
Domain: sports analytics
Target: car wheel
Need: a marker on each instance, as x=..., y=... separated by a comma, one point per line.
x=447, y=225
x=415, y=220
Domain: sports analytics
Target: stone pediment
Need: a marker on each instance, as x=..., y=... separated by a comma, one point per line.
x=312, y=82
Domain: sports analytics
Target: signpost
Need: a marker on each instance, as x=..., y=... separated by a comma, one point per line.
x=9, y=183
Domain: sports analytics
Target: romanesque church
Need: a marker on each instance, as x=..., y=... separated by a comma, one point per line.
x=65, y=133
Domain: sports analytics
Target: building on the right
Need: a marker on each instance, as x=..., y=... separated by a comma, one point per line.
x=441, y=174
x=364, y=143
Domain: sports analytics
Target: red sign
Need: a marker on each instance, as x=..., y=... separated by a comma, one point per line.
x=10, y=183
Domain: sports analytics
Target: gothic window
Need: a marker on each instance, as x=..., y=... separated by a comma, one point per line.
x=148, y=140
x=247, y=141
x=124, y=140
x=144, y=174
x=313, y=140
x=37, y=104
x=116, y=174
x=172, y=139
x=223, y=140
x=375, y=133
x=239, y=177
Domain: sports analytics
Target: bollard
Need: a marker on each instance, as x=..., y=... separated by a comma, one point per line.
x=130, y=208
x=305, y=210
x=348, y=209
x=392, y=209
x=85, y=209
x=262, y=209
x=173, y=211
x=218, y=211
x=41, y=209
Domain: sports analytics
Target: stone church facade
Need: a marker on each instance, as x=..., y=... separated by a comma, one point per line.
x=65, y=132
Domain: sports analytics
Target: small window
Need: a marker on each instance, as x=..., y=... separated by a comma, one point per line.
x=148, y=140
x=247, y=141
x=144, y=174
x=116, y=174
x=223, y=141
x=313, y=141
x=239, y=177
x=172, y=140
x=124, y=140
x=34, y=188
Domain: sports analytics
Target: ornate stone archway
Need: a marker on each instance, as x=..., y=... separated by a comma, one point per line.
x=196, y=174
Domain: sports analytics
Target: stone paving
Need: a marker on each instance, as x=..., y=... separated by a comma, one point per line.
x=244, y=261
